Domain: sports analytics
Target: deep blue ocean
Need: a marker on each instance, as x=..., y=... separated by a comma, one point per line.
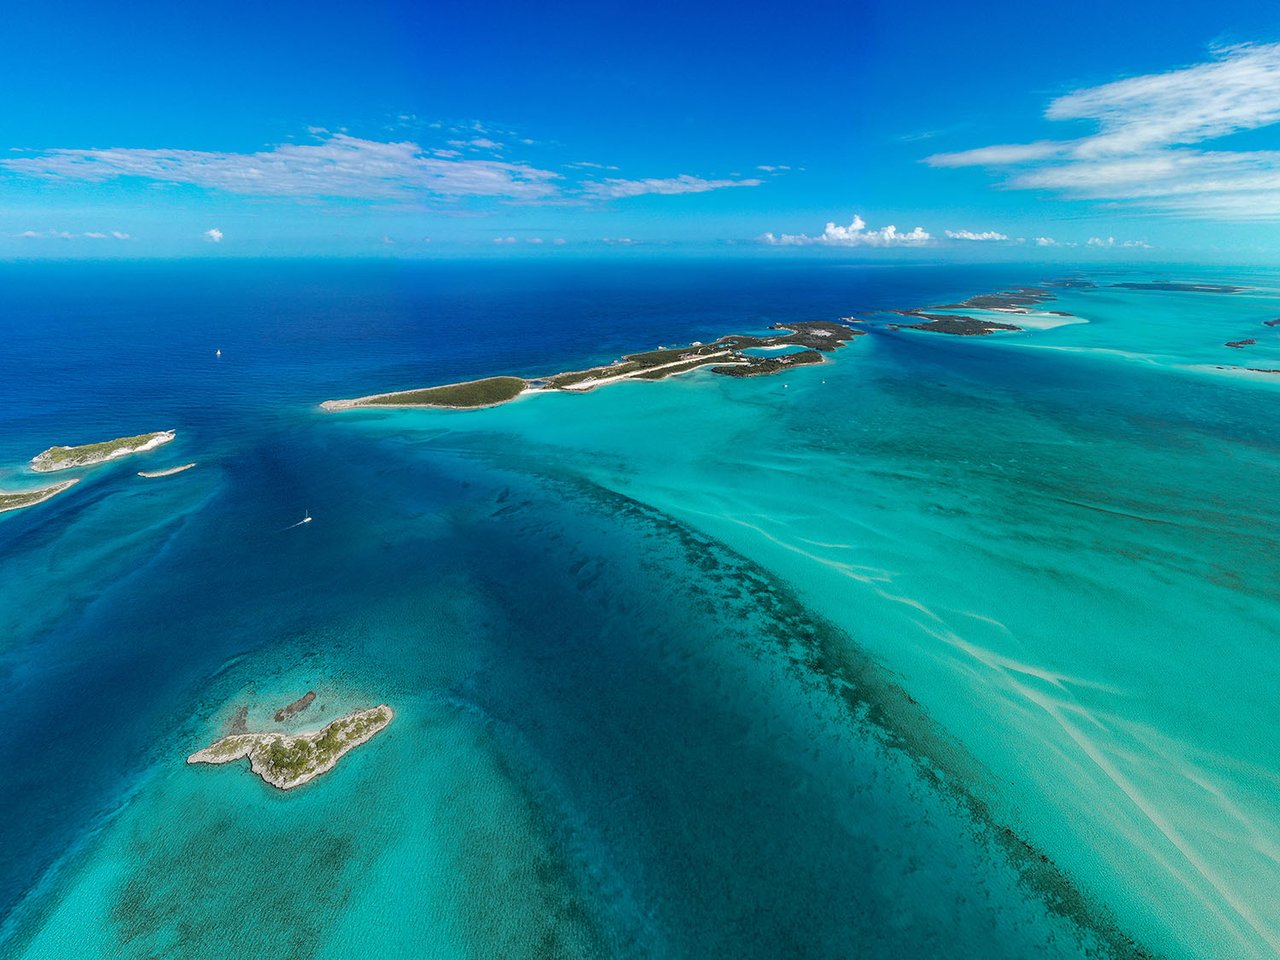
x=951, y=647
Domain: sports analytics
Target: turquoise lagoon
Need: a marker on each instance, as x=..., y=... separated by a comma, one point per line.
x=950, y=647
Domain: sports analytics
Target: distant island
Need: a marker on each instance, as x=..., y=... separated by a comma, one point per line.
x=287, y=761
x=1021, y=301
x=16, y=500
x=810, y=339
x=151, y=474
x=91, y=454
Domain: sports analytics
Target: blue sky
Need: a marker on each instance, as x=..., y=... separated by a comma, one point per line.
x=514, y=129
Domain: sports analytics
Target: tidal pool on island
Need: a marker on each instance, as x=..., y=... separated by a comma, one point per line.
x=948, y=647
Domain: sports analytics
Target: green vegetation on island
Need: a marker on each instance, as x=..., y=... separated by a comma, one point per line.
x=16, y=500
x=954, y=325
x=463, y=396
x=288, y=761
x=724, y=356
x=90, y=454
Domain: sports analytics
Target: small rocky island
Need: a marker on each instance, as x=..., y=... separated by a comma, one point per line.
x=726, y=356
x=169, y=472
x=91, y=454
x=287, y=761
x=16, y=500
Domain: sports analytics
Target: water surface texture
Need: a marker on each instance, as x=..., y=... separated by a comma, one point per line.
x=954, y=647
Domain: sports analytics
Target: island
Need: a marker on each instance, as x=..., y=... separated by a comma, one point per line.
x=152, y=474
x=91, y=454
x=17, y=499
x=728, y=356
x=1025, y=305
x=1240, y=343
x=286, y=761
x=957, y=326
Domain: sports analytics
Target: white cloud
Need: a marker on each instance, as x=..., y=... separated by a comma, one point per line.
x=774, y=168
x=1146, y=149
x=68, y=235
x=504, y=239
x=338, y=166
x=970, y=235
x=855, y=234
x=212, y=235
x=614, y=188
x=533, y=240
x=1112, y=242
x=559, y=241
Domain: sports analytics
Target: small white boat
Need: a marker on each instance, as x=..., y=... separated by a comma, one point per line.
x=306, y=516
x=218, y=352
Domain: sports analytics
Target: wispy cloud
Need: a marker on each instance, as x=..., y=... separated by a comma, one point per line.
x=1147, y=149
x=1113, y=242
x=68, y=235
x=854, y=235
x=970, y=235
x=339, y=166
x=669, y=186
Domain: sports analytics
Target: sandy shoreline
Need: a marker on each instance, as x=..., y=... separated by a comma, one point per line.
x=150, y=474
x=41, y=494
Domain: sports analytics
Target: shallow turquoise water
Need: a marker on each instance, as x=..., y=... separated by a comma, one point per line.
x=701, y=667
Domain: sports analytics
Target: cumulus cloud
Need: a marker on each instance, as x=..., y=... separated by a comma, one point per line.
x=668, y=186
x=970, y=235
x=213, y=235
x=504, y=240
x=1148, y=145
x=853, y=235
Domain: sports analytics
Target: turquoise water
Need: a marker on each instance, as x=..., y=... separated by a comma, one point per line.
x=951, y=647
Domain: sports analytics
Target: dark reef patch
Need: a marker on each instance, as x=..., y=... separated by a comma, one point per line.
x=1172, y=286
x=824, y=658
